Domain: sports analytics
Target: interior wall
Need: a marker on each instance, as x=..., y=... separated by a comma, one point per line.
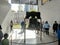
x=6, y=22
x=4, y=8
x=14, y=17
x=50, y=11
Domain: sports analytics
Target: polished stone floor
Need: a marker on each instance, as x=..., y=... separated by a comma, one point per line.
x=32, y=38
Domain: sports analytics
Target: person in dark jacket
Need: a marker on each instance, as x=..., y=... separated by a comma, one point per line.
x=55, y=26
x=22, y=27
x=11, y=25
x=1, y=35
x=58, y=34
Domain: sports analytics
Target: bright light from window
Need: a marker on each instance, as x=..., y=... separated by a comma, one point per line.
x=9, y=1
x=29, y=34
x=15, y=7
x=33, y=8
x=21, y=7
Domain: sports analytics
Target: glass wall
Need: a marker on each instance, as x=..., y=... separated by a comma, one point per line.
x=24, y=7
x=31, y=2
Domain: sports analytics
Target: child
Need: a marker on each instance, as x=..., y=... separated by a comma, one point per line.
x=5, y=41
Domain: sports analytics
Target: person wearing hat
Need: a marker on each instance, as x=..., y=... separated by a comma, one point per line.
x=1, y=34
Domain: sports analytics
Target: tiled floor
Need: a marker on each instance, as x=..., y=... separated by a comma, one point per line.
x=32, y=38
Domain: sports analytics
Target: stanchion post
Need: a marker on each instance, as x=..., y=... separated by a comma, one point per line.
x=24, y=32
x=11, y=39
x=41, y=30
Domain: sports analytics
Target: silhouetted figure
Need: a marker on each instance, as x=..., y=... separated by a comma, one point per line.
x=38, y=27
x=55, y=26
x=23, y=25
x=58, y=34
x=11, y=25
x=1, y=35
x=46, y=26
x=33, y=23
x=5, y=41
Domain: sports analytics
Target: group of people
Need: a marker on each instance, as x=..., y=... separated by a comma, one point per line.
x=46, y=26
x=3, y=38
x=55, y=27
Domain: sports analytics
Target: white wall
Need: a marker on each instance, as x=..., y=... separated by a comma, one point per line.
x=11, y=16
x=6, y=22
x=50, y=11
x=4, y=8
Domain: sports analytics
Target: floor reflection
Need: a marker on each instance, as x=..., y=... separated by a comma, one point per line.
x=31, y=37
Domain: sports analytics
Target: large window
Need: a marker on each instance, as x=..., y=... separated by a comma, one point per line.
x=24, y=7
x=31, y=8
x=32, y=2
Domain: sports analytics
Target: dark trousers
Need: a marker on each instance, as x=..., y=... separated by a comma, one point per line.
x=11, y=28
x=59, y=42
x=55, y=30
x=47, y=31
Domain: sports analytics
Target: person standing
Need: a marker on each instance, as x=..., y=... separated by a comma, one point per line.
x=58, y=34
x=46, y=27
x=23, y=24
x=11, y=25
x=1, y=35
x=55, y=26
x=5, y=41
x=22, y=27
